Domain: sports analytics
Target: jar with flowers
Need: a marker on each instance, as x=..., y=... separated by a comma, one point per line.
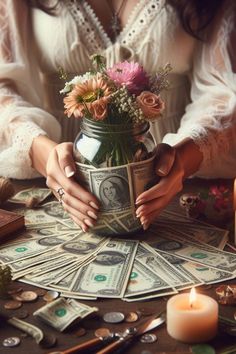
x=114, y=150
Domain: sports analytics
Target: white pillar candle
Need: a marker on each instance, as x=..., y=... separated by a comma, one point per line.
x=192, y=320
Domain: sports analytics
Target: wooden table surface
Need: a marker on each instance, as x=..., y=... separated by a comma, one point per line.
x=164, y=344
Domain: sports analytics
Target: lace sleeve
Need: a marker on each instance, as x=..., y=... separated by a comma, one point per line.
x=210, y=118
x=21, y=115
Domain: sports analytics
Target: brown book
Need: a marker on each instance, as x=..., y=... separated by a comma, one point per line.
x=10, y=222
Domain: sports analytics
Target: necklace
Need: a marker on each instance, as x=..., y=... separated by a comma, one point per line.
x=115, y=20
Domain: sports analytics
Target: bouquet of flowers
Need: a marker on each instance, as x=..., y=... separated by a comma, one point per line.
x=121, y=96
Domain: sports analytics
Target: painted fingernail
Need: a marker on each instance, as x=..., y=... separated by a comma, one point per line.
x=143, y=220
x=94, y=205
x=145, y=226
x=92, y=214
x=139, y=201
x=84, y=228
x=69, y=171
x=88, y=222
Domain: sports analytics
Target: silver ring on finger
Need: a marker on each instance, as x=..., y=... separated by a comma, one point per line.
x=60, y=191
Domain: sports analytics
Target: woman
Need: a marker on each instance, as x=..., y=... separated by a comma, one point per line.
x=199, y=124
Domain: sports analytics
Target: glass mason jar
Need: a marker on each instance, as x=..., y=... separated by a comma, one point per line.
x=115, y=162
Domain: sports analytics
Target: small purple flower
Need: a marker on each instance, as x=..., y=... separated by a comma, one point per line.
x=131, y=75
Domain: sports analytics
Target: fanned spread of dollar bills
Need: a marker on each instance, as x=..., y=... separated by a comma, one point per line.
x=54, y=254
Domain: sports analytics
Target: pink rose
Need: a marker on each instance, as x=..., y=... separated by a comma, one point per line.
x=150, y=104
x=98, y=109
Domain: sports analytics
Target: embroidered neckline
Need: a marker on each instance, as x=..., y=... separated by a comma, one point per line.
x=94, y=33
x=131, y=17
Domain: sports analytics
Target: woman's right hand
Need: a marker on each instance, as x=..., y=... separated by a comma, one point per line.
x=58, y=167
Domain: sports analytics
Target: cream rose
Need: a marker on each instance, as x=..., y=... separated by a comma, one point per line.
x=150, y=104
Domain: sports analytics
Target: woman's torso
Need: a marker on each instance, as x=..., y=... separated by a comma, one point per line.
x=152, y=36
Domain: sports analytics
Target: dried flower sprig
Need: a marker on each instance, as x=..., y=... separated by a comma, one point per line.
x=159, y=81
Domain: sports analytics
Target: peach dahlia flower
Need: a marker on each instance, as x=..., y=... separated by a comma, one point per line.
x=92, y=96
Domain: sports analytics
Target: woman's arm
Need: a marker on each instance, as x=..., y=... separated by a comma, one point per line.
x=28, y=133
x=21, y=93
x=205, y=143
x=210, y=118
x=55, y=162
x=173, y=165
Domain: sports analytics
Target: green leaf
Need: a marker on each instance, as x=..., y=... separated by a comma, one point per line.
x=202, y=349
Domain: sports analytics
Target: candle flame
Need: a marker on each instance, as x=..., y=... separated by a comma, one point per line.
x=192, y=297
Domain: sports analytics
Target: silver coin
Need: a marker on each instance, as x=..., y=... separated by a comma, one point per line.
x=113, y=317
x=21, y=314
x=51, y=295
x=148, y=338
x=11, y=342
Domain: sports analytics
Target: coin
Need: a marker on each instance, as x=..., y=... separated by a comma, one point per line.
x=113, y=317
x=16, y=297
x=145, y=311
x=12, y=305
x=48, y=341
x=131, y=317
x=102, y=332
x=11, y=342
x=40, y=292
x=15, y=290
x=148, y=338
x=21, y=314
x=51, y=295
x=28, y=296
x=80, y=332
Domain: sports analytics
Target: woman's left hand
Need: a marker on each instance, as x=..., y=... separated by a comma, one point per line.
x=171, y=167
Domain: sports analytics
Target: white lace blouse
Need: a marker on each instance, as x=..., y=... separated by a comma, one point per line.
x=33, y=45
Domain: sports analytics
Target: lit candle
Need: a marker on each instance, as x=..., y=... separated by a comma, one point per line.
x=192, y=318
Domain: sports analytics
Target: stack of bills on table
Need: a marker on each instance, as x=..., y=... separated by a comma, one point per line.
x=62, y=313
x=53, y=253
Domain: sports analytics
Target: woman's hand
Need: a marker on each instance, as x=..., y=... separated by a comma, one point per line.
x=173, y=165
x=58, y=166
